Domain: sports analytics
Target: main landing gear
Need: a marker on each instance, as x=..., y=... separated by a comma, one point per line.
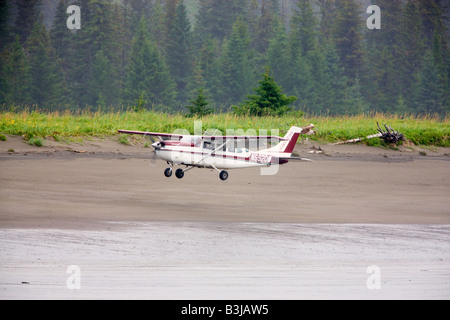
x=223, y=175
x=179, y=173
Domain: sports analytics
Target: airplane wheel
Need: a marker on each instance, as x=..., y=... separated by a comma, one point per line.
x=168, y=172
x=179, y=173
x=223, y=175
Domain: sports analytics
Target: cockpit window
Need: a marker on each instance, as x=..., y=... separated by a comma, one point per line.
x=209, y=145
x=195, y=140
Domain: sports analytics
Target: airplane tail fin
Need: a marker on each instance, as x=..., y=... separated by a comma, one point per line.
x=287, y=146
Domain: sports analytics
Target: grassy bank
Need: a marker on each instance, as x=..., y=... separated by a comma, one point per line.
x=423, y=130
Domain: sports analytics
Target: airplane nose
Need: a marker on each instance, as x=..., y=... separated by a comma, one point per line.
x=156, y=145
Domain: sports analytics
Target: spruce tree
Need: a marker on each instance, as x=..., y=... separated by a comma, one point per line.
x=237, y=72
x=45, y=83
x=327, y=15
x=266, y=25
x=156, y=24
x=429, y=94
x=216, y=18
x=59, y=34
x=199, y=105
x=268, y=100
x=303, y=35
x=279, y=56
x=27, y=15
x=384, y=54
x=62, y=43
x=14, y=75
x=179, y=50
x=148, y=73
x=348, y=37
x=99, y=32
x=208, y=68
x=100, y=84
x=413, y=46
x=5, y=37
x=334, y=85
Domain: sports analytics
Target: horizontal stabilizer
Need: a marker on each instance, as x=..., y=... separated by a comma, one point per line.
x=295, y=159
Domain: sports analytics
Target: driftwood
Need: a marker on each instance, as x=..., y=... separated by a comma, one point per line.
x=389, y=136
x=378, y=135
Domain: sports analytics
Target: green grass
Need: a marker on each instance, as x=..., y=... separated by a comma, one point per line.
x=421, y=130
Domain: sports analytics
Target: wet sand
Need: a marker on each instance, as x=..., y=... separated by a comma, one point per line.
x=108, y=209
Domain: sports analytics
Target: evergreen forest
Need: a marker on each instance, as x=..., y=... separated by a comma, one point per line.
x=166, y=55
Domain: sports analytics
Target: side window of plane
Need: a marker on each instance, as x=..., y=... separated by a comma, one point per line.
x=208, y=145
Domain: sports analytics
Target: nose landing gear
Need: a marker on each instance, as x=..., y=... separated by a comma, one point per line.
x=168, y=172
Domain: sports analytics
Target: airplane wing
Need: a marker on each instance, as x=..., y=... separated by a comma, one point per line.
x=162, y=136
x=276, y=138
x=211, y=138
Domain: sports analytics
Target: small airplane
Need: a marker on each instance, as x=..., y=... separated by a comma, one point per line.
x=222, y=152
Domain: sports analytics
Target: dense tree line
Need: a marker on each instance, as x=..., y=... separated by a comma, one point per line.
x=151, y=52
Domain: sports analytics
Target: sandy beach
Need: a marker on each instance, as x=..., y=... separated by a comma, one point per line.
x=310, y=231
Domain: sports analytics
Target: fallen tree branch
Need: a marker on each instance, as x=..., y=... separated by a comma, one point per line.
x=378, y=135
x=389, y=136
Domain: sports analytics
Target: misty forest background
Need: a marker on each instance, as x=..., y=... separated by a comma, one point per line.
x=162, y=54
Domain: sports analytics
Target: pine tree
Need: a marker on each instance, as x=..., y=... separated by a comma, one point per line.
x=45, y=82
x=59, y=34
x=384, y=54
x=100, y=84
x=14, y=75
x=156, y=26
x=266, y=26
x=429, y=94
x=147, y=72
x=306, y=66
x=216, y=18
x=199, y=105
x=279, y=56
x=354, y=100
x=348, y=37
x=303, y=35
x=268, y=100
x=327, y=14
x=208, y=68
x=99, y=32
x=27, y=15
x=179, y=49
x=4, y=26
x=62, y=45
x=137, y=9
x=413, y=49
x=334, y=85
x=237, y=72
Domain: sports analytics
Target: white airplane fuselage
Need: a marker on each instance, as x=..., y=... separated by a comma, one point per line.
x=201, y=157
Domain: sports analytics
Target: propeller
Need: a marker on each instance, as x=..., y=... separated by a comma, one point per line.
x=156, y=145
x=153, y=158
